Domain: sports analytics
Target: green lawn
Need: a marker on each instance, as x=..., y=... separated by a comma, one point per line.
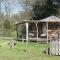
x=33, y=51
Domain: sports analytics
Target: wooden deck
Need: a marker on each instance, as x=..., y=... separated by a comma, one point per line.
x=39, y=39
x=34, y=39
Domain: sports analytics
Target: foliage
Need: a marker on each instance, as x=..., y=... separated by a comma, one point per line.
x=45, y=10
x=39, y=9
x=14, y=34
x=6, y=24
x=51, y=7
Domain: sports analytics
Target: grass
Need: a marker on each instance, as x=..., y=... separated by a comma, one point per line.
x=33, y=51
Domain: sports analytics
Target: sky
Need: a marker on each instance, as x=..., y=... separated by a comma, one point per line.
x=13, y=5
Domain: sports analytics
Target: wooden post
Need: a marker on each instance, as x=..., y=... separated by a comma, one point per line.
x=47, y=32
x=26, y=32
x=50, y=45
x=37, y=30
x=47, y=37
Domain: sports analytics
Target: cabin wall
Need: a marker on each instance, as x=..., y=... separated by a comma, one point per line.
x=32, y=30
x=44, y=28
x=21, y=31
x=54, y=26
x=40, y=29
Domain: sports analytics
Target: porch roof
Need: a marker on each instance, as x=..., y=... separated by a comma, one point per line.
x=29, y=21
x=50, y=19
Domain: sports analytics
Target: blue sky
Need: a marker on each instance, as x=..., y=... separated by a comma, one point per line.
x=14, y=5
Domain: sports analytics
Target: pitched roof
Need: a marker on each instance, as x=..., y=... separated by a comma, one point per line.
x=50, y=19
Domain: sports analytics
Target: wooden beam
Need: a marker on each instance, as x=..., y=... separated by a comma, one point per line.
x=47, y=32
x=26, y=32
x=47, y=39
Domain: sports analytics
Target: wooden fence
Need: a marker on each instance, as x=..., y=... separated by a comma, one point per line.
x=55, y=46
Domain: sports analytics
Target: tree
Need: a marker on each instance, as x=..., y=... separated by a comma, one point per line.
x=6, y=19
x=51, y=7
x=27, y=9
x=39, y=8
x=45, y=10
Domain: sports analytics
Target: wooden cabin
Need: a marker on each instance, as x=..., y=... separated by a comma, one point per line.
x=47, y=29
x=38, y=30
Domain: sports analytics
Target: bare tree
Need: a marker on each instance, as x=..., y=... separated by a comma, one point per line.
x=28, y=7
x=6, y=17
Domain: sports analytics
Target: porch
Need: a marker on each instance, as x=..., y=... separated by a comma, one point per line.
x=38, y=30
x=30, y=30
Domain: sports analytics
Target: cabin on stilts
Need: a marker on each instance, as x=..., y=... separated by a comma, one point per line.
x=47, y=29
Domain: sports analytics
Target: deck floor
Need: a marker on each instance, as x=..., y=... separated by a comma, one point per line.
x=35, y=39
